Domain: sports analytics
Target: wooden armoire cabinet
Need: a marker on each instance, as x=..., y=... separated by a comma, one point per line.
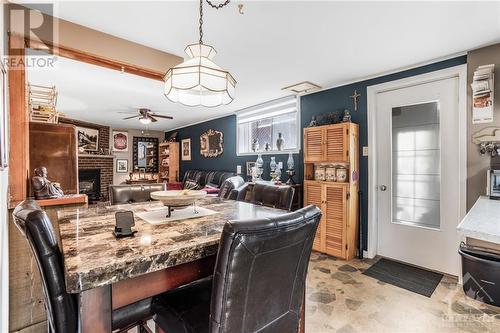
x=169, y=162
x=333, y=146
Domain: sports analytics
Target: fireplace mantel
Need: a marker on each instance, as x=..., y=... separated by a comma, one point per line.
x=95, y=156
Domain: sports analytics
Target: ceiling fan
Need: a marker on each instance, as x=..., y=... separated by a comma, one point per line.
x=146, y=116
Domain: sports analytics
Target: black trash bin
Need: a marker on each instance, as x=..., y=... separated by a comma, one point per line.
x=481, y=274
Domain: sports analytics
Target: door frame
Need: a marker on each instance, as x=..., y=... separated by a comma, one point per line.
x=459, y=72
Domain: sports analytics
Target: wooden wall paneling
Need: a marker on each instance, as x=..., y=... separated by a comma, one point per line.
x=18, y=123
x=26, y=303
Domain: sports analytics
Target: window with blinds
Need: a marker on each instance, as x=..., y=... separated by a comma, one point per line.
x=264, y=124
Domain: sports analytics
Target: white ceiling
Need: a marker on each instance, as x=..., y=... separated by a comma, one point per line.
x=274, y=44
x=100, y=95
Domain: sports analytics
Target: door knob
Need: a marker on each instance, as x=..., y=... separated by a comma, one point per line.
x=383, y=187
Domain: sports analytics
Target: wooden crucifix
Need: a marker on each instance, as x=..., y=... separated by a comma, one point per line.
x=355, y=97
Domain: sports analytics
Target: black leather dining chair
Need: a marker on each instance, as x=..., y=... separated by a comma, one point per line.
x=61, y=307
x=229, y=188
x=124, y=194
x=280, y=197
x=258, y=284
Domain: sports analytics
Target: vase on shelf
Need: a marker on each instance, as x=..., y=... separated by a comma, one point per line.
x=272, y=166
x=273, y=163
x=290, y=163
x=290, y=171
x=277, y=174
x=280, y=142
x=259, y=163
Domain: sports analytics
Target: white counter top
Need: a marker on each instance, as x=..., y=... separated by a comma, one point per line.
x=482, y=221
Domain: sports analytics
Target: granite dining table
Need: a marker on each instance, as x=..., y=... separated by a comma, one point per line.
x=108, y=273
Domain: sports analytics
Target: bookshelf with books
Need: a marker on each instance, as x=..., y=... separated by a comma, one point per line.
x=169, y=162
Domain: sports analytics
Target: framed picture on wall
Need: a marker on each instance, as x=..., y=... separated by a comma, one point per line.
x=186, y=150
x=3, y=118
x=121, y=166
x=250, y=165
x=120, y=141
x=88, y=139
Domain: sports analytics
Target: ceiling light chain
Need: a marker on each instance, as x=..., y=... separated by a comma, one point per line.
x=201, y=21
x=219, y=6
x=198, y=80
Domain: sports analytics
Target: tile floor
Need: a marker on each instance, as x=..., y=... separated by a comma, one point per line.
x=341, y=299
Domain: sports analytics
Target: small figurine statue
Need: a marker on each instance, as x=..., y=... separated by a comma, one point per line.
x=44, y=188
x=313, y=122
x=347, y=116
x=255, y=145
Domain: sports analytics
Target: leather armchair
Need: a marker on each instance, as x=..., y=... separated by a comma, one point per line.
x=280, y=197
x=123, y=194
x=230, y=188
x=62, y=310
x=258, y=261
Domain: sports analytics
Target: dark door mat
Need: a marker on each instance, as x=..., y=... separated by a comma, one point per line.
x=408, y=277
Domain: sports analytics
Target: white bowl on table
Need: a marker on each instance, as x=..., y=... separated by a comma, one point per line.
x=178, y=198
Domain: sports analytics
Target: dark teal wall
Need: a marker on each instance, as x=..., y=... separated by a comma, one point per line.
x=228, y=160
x=314, y=104
x=338, y=99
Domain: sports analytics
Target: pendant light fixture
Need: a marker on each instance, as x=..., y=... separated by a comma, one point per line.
x=198, y=80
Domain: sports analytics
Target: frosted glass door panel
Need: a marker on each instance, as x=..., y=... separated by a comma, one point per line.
x=416, y=165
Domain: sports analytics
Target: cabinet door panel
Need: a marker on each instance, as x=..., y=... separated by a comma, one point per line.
x=335, y=218
x=313, y=196
x=313, y=145
x=336, y=144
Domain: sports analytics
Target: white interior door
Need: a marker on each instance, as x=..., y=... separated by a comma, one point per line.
x=418, y=186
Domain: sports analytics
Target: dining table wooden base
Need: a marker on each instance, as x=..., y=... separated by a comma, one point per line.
x=97, y=304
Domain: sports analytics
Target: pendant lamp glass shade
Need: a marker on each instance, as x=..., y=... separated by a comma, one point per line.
x=198, y=80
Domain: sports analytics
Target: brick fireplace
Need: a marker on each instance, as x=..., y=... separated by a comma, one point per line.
x=104, y=165
x=88, y=163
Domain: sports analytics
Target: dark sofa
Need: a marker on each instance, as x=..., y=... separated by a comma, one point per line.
x=199, y=179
